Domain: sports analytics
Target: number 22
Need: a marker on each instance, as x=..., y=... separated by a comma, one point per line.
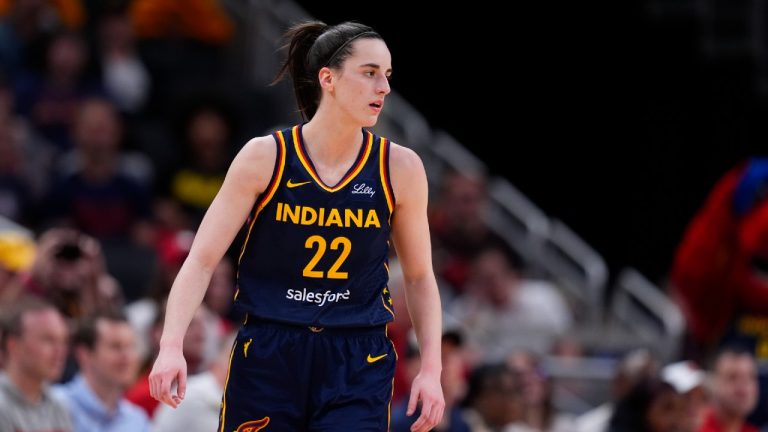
x=333, y=273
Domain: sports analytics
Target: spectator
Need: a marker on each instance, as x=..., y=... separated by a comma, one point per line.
x=652, y=405
x=68, y=270
x=458, y=228
x=34, y=342
x=105, y=349
x=126, y=78
x=734, y=391
x=51, y=101
x=635, y=366
x=207, y=133
x=26, y=24
x=494, y=400
x=201, y=408
x=98, y=194
x=690, y=382
x=541, y=414
x=502, y=311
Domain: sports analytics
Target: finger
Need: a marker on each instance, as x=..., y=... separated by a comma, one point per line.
x=422, y=421
x=436, y=416
x=165, y=392
x=414, y=399
x=182, y=389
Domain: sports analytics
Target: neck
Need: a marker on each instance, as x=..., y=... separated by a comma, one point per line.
x=108, y=394
x=30, y=387
x=729, y=421
x=332, y=136
x=98, y=170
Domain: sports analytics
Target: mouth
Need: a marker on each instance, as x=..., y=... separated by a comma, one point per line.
x=376, y=106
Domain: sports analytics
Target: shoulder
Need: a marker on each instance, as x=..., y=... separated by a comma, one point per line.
x=406, y=171
x=134, y=411
x=404, y=158
x=259, y=148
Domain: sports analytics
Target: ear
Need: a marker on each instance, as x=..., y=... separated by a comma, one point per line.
x=326, y=78
x=82, y=354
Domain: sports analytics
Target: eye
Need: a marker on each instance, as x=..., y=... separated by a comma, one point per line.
x=369, y=73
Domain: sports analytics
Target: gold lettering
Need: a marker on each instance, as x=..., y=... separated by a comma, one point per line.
x=292, y=213
x=334, y=218
x=308, y=216
x=353, y=218
x=372, y=219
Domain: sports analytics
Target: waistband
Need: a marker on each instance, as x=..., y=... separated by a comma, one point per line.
x=251, y=321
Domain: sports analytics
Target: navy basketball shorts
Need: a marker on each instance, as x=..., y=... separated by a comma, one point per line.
x=297, y=378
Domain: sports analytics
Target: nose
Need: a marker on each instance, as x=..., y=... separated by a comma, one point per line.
x=382, y=86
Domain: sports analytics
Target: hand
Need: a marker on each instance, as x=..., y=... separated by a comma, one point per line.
x=426, y=388
x=169, y=369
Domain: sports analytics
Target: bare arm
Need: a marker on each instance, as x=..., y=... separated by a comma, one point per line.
x=247, y=177
x=410, y=232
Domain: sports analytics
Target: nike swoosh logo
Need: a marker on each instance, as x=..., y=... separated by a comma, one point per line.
x=291, y=184
x=375, y=359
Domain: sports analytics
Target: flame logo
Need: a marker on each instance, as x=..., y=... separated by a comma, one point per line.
x=253, y=425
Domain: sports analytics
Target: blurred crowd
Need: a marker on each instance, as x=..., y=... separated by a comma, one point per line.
x=118, y=120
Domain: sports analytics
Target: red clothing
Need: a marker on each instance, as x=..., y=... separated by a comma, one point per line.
x=712, y=424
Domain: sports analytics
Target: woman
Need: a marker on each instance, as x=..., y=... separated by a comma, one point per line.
x=321, y=200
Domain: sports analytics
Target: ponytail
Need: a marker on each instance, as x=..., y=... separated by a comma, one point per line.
x=313, y=45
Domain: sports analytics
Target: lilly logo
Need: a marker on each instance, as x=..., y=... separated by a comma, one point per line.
x=253, y=425
x=363, y=189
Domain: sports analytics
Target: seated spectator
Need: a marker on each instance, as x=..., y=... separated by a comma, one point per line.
x=494, y=400
x=51, y=101
x=99, y=194
x=652, y=405
x=734, y=391
x=541, y=414
x=34, y=344
x=690, y=382
x=502, y=311
x=68, y=270
x=458, y=227
x=126, y=78
x=207, y=134
x=105, y=349
x=635, y=366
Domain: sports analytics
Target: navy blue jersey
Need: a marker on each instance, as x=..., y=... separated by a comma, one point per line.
x=317, y=254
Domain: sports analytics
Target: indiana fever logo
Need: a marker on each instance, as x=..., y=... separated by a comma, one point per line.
x=253, y=425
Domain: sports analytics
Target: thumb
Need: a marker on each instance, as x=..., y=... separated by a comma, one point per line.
x=414, y=399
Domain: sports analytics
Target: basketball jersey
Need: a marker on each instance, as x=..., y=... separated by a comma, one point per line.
x=316, y=254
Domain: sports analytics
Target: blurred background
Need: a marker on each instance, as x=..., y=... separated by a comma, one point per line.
x=597, y=190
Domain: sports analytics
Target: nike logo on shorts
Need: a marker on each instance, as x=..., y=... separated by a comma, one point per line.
x=371, y=359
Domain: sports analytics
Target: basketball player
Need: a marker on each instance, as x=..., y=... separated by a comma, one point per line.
x=321, y=201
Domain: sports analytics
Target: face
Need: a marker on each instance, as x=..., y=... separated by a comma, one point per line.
x=502, y=402
x=97, y=130
x=492, y=279
x=695, y=405
x=114, y=360
x=664, y=412
x=735, y=385
x=362, y=84
x=41, y=349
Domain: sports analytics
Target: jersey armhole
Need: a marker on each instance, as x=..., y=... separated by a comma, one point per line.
x=386, y=178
